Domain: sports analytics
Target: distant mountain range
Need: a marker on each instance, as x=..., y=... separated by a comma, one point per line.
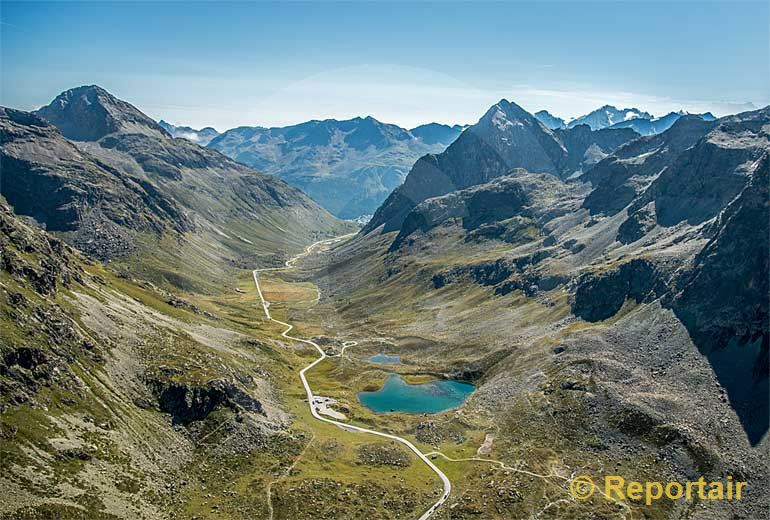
x=610, y=117
x=436, y=133
x=201, y=137
x=349, y=167
x=607, y=116
x=657, y=125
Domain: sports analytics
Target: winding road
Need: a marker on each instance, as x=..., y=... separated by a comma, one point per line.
x=348, y=427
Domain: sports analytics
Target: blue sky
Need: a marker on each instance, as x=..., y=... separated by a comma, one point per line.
x=231, y=64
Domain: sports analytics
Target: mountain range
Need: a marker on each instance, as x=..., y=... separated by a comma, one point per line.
x=605, y=292
x=610, y=117
x=657, y=125
x=348, y=167
x=506, y=137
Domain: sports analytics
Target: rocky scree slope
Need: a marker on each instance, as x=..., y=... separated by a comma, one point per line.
x=699, y=231
x=109, y=388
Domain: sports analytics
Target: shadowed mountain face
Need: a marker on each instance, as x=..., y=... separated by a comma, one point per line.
x=123, y=184
x=201, y=137
x=348, y=167
x=549, y=120
x=48, y=178
x=506, y=137
x=619, y=178
x=723, y=300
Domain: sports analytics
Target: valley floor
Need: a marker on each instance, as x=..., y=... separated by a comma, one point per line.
x=544, y=412
x=459, y=442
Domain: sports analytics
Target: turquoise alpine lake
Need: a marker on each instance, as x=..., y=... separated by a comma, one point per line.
x=396, y=395
x=385, y=359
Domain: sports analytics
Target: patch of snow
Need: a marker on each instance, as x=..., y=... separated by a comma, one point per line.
x=500, y=121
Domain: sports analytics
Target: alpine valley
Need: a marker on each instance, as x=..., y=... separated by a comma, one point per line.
x=194, y=332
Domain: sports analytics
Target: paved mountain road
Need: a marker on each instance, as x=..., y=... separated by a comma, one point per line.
x=349, y=427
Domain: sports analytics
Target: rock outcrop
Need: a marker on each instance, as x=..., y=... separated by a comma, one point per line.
x=187, y=403
x=520, y=194
x=618, y=179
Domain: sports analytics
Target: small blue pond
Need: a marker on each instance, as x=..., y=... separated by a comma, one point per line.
x=396, y=395
x=386, y=359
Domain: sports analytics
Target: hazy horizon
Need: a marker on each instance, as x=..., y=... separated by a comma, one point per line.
x=229, y=65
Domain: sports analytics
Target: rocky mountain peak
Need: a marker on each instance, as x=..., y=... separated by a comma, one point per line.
x=89, y=112
x=518, y=138
x=506, y=137
x=505, y=110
